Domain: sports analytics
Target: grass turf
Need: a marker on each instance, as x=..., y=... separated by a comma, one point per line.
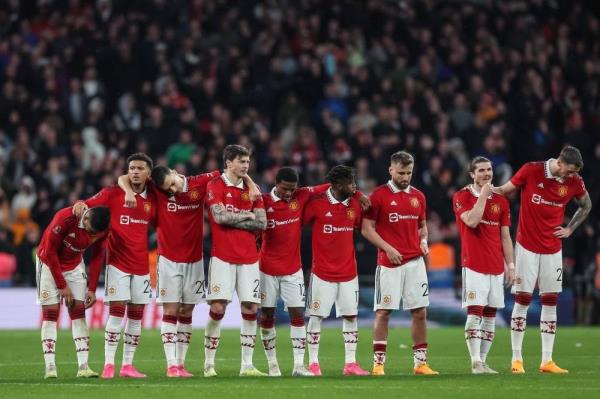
x=577, y=349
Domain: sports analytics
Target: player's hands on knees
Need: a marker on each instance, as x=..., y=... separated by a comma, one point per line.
x=562, y=232
x=79, y=208
x=130, y=201
x=90, y=299
x=394, y=256
x=66, y=295
x=254, y=192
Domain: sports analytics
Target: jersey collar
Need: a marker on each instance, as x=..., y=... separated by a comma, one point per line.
x=395, y=188
x=143, y=194
x=228, y=182
x=471, y=188
x=185, y=185
x=549, y=174
x=80, y=224
x=332, y=199
x=274, y=196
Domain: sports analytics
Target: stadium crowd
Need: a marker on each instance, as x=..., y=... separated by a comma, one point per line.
x=309, y=84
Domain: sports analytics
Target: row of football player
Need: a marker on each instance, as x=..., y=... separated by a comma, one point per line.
x=393, y=218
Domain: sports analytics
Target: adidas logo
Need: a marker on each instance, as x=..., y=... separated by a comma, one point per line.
x=229, y=195
x=72, y=235
x=541, y=185
x=328, y=214
x=393, y=203
x=270, y=210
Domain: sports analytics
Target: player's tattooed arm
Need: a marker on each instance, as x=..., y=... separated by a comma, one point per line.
x=585, y=206
x=223, y=216
x=258, y=223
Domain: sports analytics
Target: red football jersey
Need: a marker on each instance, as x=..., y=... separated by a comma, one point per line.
x=128, y=238
x=63, y=243
x=481, y=247
x=180, y=219
x=280, y=249
x=333, y=225
x=230, y=244
x=397, y=214
x=543, y=202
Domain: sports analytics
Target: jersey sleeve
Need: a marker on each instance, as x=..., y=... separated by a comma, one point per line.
x=458, y=204
x=98, y=251
x=58, y=229
x=215, y=193
x=373, y=212
x=423, y=215
x=580, y=189
x=102, y=198
x=520, y=178
x=309, y=212
x=505, y=221
x=259, y=203
x=201, y=181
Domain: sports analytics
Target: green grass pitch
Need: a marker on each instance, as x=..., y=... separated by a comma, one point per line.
x=578, y=349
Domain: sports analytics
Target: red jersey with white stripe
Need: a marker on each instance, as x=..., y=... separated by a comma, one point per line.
x=128, y=238
x=397, y=214
x=543, y=202
x=63, y=243
x=231, y=244
x=280, y=249
x=481, y=247
x=180, y=219
x=333, y=225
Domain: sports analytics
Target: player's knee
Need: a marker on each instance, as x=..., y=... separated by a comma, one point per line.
x=475, y=310
x=218, y=307
x=383, y=315
x=135, y=312
x=419, y=314
x=489, y=312
x=296, y=313
x=249, y=307
x=349, y=318
x=185, y=311
x=77, y=311
x=171, y=309
x=249, y=316
x=550, y=299
x=116, y=310
x=267, y=320
x=50, y=313
x=523, y=298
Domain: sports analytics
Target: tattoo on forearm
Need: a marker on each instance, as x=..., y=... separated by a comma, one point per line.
x=259, y=223
x=585, y=206
x=222, y=216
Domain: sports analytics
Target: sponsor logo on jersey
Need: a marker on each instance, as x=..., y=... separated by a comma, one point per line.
x=394, y=217
x=387, y=299
x=328, y=229
x=194, y=195
x=414, y=202
x=351, y=214
x=272, y=223
x=563, y=190
x=125, y=219
x=538, y=199
x=495, y=208
x=173, y=207
x=293, y=205
x=147, y=207
x=245, y=196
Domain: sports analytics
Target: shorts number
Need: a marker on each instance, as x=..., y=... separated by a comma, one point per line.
x=257, y=282
x=426, y=289
x=560, y=272
x=200, y=287
x=147, y=290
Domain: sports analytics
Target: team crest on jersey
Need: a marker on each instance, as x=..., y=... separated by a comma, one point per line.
x=293, y=205
x=495, y=208
x=245, y=196
x=56, y=229
x=471, y=295
x=351, y=214
x=45, y=294
x=387, y=299
x=163, y=292
x=112, y=290
x=316, y=305
x=414, y=202
x=194, y=195
x=147, y=207
x=216, y=288
x=562, y=191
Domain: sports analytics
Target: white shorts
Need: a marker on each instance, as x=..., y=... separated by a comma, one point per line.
x=290, y=287
x=225, y=278
x=323, y=294
x=481, y=289
x=76, y=280
x=180, y=282
x=544, y=269
x=407, y=283
x=121, y=286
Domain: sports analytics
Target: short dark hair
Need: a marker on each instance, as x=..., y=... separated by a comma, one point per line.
x=140, y=156
x=571, y=156
x=475, y=161
x=233, y=151
x=402, y=157
x=340, y=174
x=99, y=218
x=287, y=174
x=159, y=173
